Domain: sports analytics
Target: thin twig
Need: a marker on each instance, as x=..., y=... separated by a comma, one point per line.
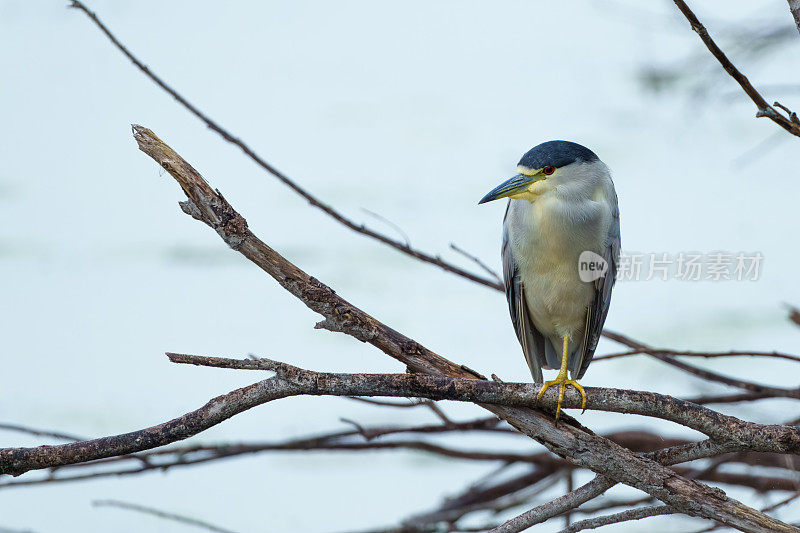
x=706, y=355
x=700, y=372
x=475, y=259
x=423, y=403
x=385, y=403
x=182, y=456
x=389, y=223
x=792, y=114
x=780, y=503
x=40, y=432
x=186, y=520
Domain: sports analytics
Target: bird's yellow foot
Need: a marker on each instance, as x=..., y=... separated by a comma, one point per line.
x=562, y=383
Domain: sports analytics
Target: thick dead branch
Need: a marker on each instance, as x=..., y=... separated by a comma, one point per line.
x=292, y=381
x=723, y=428
x=477, y=260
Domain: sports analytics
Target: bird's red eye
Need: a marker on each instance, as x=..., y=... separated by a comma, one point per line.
x=548, y=170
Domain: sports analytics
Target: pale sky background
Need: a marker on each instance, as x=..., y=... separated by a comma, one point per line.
x=413, y=110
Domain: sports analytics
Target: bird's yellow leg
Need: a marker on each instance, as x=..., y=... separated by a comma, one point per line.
x=562, y=381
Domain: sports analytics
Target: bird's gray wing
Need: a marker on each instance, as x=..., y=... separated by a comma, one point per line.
x=532, y=341
x=598, y=309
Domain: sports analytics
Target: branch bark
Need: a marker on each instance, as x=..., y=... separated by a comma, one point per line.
x=794, y=8
x=722, y=428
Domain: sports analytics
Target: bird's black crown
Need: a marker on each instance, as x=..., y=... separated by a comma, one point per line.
x=556, y=154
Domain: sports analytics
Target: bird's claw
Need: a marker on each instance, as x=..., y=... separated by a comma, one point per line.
x=562, y=383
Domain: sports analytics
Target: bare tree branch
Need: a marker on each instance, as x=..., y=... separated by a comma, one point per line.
x=474, y=499
x=187, y=520
x=475, y=259
x=400, y=246
x=624, y=516
x=705, y=355
x=39, y=432
x=556, y=507
x=732, y=433
x=723, y=428
x=764, y=109
x=702, y=373
x=495, y=498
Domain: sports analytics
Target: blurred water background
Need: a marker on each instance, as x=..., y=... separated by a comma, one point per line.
x=412, y=110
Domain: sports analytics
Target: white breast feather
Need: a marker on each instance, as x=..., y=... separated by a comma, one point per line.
x=547, y=237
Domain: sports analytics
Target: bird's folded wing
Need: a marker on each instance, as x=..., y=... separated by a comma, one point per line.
x=532, y=341
x=598, y=309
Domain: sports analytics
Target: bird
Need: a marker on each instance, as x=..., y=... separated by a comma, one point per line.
x=560, y=249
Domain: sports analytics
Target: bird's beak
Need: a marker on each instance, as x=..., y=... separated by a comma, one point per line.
x=515, y=185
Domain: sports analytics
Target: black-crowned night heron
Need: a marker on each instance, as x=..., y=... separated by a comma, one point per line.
x=560, y=251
